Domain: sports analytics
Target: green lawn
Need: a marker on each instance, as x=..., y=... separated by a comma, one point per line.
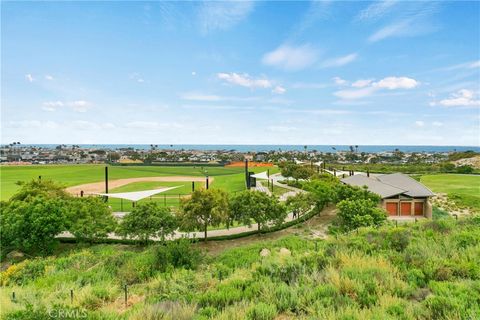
x=229, y=179
x=464, y=189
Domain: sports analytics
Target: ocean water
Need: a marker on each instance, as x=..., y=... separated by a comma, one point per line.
x=260, y=148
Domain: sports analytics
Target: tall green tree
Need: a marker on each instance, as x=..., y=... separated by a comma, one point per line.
x=43, y=187
x=89, y=218
x=248, y=206
x=204, y=208
x=322, y=191
x=31, y=225
x=300, y=203
x=148, y=220
x=355, y=213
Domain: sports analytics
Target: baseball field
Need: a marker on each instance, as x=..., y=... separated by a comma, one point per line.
x=91, y=179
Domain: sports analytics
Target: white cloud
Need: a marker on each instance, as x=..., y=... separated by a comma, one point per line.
x=194, y=73
x=391, y=30
x=437, y=124
x=79, y=105
x=29, y=77
x=362, y=83
x=404, y=28
x=339, y=81
x=419, y=123
x=48, y=77
x=244, y=80
x=217, y=15
x=137, y=77
x=279, y=90
x=340, y=61
x=475, y=64
x=368, y=87
x=376, y=10
x=413, y=18
x=52, y=105
x=463, y=98
x=392, y=83
x=291, y=58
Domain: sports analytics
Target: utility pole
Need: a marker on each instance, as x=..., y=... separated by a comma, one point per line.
x=247, y=175
x=106, y=182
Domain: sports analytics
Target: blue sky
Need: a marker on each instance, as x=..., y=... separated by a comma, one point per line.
x=324, y=72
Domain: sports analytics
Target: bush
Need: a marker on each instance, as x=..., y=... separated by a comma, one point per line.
x=262, y=311
x=178, y=254
x=399, y=239
x=358, y=213
x=286, y=298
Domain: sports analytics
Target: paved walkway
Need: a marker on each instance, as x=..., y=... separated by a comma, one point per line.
x=216, y=233
x=191, y=235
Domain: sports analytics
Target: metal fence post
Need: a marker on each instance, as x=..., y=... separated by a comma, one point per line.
x=126, y=296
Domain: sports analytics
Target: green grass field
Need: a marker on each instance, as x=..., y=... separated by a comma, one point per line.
x=465, y=189
x=229, y=179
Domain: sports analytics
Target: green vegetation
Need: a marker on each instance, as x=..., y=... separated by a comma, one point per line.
x=205, y=208
x=248, y=206
x=148, y=220
x=356, y=213
x=464, y=190
x=41, y=210
x=300, y=204
x=411, y=168
x=231, y=180
x=89, y=218
x=462, y=155
x=426, y=270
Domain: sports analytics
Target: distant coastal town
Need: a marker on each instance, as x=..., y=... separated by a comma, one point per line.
x=16, y=153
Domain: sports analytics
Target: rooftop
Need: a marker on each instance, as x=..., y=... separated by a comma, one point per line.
x=389, y=185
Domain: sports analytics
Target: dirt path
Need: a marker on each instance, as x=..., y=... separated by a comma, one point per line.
x=98, y=187
x=314, y=228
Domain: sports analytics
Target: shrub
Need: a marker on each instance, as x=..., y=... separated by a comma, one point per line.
x=89, y=218
x=23, y=272
x=31, y=225
x=357, y=213
x=286, y=298
x=438, y=213
x=178, y=254
x=262, y=311
x=399, y=238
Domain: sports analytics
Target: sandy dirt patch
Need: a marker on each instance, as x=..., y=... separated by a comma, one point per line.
x=98, y=187
x=251, y=164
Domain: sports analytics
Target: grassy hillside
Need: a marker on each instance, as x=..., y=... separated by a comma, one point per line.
x=465, y=189
x=428, y=270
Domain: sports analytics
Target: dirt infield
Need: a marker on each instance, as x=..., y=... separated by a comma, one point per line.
x=251, y=164
x=98, y=187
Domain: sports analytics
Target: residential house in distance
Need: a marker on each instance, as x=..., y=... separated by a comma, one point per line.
x=401, y=194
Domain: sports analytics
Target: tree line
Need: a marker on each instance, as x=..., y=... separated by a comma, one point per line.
x=41, y=210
